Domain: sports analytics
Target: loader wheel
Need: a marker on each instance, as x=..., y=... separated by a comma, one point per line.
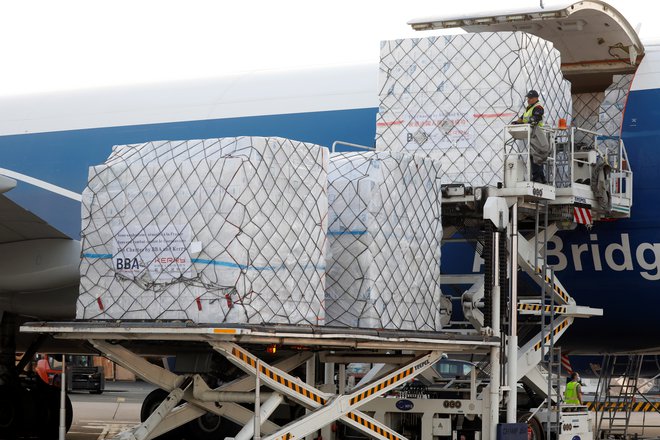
x=535, y=428
x=47, y=399
x=150, y=404
x=210, y=427
x=9, y=412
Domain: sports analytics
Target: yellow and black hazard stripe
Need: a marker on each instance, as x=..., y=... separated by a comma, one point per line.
x=372, y=427
x=557, y=329
x=389, y=435
x=292, y=385
x=622, y=406
x=244, y=357
x=376, y=388
x=563, y=295
x=538, y=307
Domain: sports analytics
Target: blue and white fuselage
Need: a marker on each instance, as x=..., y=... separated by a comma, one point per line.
x=55, y=138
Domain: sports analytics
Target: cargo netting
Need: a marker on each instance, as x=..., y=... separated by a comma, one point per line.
x=384, y=238
x=449, y=97
x=610, y=114
x=585, y=115
x=601, y=112
x=212, y=231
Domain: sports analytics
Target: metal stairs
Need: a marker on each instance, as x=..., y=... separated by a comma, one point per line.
x=614, y=402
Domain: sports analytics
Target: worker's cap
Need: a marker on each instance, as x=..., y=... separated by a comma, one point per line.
x=532, y=94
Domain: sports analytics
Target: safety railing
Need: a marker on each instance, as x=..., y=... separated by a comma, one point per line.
x=517, y=154
x=587, y=164
x=621, y=180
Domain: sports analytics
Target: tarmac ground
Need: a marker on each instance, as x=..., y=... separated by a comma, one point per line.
x=100, y=417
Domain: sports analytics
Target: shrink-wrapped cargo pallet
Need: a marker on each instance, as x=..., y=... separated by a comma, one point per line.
x=384, y=235
x=610, y=115
x=586, y=107
x=214, y=231
x=450, y=97
x=602, y=112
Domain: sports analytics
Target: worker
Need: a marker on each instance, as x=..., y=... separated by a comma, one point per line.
x=539, y=145
x=573, y=392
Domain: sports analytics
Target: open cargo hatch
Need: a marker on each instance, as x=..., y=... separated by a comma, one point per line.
x=594, y=39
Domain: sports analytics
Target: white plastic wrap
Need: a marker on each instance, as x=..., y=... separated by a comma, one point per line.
x=586, y=107
x=449, y=97
x=384, y=236
x=610, y=115
x=214, y=231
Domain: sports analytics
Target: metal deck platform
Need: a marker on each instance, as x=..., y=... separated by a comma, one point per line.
x=306, y=336
x=304, y=345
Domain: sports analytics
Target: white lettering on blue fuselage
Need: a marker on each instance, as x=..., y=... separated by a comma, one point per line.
x=617, y=256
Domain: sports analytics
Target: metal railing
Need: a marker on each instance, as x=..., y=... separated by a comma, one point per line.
x=517, y=152
x=561, y=167
x=621, y=177
x=609, y=150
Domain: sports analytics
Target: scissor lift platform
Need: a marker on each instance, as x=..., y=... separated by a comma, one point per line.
x=239, y=343
x=319, y=337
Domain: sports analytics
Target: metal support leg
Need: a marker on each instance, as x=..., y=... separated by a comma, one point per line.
x=344, y=407
x=257, y=404
x=268, y=407
x=494, y=415
x=512, y=355
x=329, y=387
x=63, y=385
x=142, y=431
x=329, y=376
x=341, y=379
x=193, y=408
x=310, y=378
x=310, y=371
x=327, y=407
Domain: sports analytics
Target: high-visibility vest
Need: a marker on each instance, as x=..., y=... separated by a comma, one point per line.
x=571, y=394
x=528, y=114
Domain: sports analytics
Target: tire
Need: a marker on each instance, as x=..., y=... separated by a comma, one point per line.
x=10, y=412
x=206, y=427
x=535, y=426
x=210, y=427
x=47, y=400
x=150, y=404
x=95, y=391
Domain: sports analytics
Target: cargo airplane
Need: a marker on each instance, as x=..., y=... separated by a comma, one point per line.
x=48, y=142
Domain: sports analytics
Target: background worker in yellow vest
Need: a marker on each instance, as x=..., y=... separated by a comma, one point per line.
x=539, y=145
x=573, y=391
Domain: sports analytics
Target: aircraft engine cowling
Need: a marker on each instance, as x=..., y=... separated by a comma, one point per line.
x=35, y=265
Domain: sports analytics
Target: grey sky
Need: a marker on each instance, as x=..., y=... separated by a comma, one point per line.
x=68, y=44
